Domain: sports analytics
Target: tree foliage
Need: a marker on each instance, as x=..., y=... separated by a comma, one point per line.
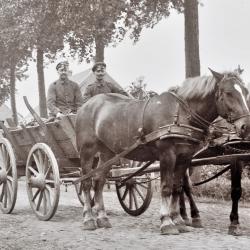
x=147, y=13
x=138, y=89
x=14, y=47
x=91, y=21
x=42, y=26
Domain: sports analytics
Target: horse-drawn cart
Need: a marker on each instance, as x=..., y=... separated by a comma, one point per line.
x=46, y=154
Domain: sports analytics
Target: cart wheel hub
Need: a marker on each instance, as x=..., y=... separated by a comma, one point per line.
x=3, y=176
x=130, y=183
x=38, y=181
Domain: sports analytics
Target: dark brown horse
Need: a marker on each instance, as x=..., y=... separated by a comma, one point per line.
x=108, y=124
x=236, y=146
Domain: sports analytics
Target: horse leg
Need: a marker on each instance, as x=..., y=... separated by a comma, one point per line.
x=236, y=170
x=183, y=210
x=195, y=214
x=87, y=156
x=167, y=164
x=100, y=180
x=179, y=172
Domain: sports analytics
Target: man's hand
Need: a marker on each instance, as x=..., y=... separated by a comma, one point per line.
x=59, y=114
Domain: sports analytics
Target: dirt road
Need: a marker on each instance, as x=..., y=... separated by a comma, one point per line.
x=22, y=230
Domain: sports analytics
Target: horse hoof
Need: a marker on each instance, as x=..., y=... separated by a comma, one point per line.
x=234, y=230
x=187, y=221
x=184, y=228
x=89, y=225
x=169, y=230
x=103, y=223
x=196, y=222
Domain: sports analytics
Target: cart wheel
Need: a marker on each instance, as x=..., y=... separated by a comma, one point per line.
x=8, y=177
x=43, y=181
x=79, y=192
x=136, y=194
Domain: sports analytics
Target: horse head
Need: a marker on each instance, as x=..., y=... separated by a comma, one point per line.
x=231, y=101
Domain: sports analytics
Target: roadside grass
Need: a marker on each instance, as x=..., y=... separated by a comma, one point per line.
x=220, y=189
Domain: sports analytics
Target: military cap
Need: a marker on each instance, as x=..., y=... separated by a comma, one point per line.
x=62, y=63
x=98, y=64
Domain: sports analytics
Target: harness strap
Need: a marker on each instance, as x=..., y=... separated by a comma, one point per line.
x=237, y=118
x=213, y=177
x=197, y=117
x=200, y=119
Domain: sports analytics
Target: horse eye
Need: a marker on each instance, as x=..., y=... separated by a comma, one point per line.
x=229, y=94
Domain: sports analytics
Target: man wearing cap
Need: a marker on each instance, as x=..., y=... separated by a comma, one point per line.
x=64, y=96
x=100, y=85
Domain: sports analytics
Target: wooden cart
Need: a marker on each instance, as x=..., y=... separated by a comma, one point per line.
x=47, y=155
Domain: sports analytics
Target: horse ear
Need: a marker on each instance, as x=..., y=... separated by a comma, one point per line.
x=239, y=70
x=216, y=75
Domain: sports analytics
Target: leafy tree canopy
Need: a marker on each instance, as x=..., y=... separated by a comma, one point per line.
x=109, y=20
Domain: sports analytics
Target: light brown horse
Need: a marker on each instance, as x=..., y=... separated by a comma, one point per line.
x=108, y=124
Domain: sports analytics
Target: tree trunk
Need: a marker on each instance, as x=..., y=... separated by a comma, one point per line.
x=13, y=92
x=99, y=49
x=192, y=38
x=192, y=54
x=41, y=84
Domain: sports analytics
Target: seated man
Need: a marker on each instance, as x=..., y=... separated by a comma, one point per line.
x=100, y=85
x=64, y=96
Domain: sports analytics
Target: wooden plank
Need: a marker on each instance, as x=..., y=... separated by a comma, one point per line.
x=69, y=130
x=21, y=138
x=10, y=122
x=221, y=159
x=119, y=172
x=28, y=134
x=18, y=150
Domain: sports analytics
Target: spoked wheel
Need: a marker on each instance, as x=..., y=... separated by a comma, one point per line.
x=136, y=193
x=8, y=177
x=43, y=181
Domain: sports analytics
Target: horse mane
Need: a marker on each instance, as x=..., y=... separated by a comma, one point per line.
x=201, y=86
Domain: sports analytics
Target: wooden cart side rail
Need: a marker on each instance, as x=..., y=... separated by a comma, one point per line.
x=18, y=150
x=48, y=135
x=27, y=132
x=67, y=127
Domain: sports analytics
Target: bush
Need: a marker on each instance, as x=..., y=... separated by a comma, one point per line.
x=220, y=188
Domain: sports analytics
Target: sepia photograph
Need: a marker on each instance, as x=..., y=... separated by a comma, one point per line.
x=124, y=124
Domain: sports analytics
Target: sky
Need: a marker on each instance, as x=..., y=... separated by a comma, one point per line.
x=159, y=55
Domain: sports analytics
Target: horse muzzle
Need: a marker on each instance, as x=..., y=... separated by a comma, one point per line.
x=242, y=126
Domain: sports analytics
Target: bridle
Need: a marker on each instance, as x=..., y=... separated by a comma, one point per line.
x=229, y=118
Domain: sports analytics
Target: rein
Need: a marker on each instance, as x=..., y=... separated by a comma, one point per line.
x=229, y=119
x=196, y=116
x=213, y=177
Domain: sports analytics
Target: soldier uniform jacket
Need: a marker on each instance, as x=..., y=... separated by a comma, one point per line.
x=99, y=87
x=64, y=96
